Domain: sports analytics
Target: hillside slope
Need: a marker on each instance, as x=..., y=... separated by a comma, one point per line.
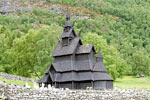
x=28, y=33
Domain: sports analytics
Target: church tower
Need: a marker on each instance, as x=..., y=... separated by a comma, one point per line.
x=68, y=32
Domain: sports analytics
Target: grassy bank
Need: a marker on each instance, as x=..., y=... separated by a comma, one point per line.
x=130, y=82
x=16, y=82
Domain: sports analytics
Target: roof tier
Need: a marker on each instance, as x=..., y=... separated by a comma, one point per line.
x=83, y=49
x=99, y=67
x=70, y=33
x=67, y=50
x=44, y=79
x=81, y=76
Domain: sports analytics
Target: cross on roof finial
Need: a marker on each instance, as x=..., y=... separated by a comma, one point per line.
x=68, y=15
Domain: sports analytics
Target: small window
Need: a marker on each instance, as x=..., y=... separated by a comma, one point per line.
x=66, y=29
x=65, y=42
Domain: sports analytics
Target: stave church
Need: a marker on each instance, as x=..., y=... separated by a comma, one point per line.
x=75, y=65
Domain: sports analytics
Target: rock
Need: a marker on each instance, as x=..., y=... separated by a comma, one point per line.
x=27, y=86
x=16, y=78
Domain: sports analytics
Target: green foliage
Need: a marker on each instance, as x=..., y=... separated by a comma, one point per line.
x=48, y=0
x=32, y=52
x=114, y=64
x=16, y=82
x=130, y=82
x=125, y=26
x=122, y=33
x=140, y=64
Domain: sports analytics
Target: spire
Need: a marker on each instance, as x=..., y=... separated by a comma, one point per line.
x=68, y=20
x=99, y=55
x=68, y=15
x=68, y=32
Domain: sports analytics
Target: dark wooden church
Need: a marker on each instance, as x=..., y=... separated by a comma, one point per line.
x=74, y=64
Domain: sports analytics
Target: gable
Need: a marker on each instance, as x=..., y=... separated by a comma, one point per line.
x=66, y=50
x=83, y=49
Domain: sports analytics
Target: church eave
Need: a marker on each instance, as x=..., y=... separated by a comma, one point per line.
x=82, y=76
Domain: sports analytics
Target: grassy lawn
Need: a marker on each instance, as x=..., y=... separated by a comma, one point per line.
x=130, y=82
x=127, y=82
x=16, y=82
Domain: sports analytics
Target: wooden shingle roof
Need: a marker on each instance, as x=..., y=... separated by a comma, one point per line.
x=46, y=72
x=66, y=66
x=66, y=50
x=71, y=33
x=85, y=49
x=81, y=76
x=99, y=55
x=44, y=79
x=68, y=23
x=99, y=66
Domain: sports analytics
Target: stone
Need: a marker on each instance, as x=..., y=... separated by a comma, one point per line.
x=27, y=86
x=35, y=86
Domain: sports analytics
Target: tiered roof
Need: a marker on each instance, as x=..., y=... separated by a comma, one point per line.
x=73, y=70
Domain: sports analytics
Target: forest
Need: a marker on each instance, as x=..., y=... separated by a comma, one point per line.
x=121, y=28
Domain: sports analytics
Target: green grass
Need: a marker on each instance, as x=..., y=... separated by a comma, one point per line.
x=16, y=82
x=130, y=82
x=127, y=82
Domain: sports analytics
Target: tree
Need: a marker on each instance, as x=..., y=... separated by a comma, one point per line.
x=32, y=52
x=140, y=64
x=114, y=64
